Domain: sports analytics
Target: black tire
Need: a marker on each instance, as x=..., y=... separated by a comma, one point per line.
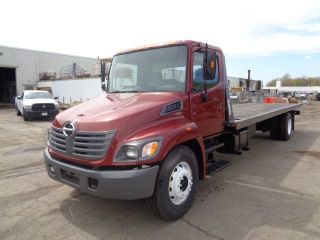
x=18, y=112
x=161, y=202
x=25, y=118
x=286, y=127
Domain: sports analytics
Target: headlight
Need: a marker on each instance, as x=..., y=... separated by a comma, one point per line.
x=56, y=105
x=139, y=150
x=28, y=107
x=132, y=152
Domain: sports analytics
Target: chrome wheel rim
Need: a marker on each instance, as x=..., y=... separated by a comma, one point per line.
x=180, y=183
x=289, y=126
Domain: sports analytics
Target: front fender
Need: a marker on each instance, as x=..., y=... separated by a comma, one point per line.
x=173, y=133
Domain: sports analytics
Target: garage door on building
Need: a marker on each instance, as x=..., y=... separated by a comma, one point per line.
x=8, y=88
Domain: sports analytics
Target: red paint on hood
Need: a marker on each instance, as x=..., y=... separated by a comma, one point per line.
x=114, y=111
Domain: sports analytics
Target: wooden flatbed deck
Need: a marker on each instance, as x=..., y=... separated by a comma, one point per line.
x=246, y=114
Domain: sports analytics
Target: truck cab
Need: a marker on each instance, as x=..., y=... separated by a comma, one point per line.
x=153, y=132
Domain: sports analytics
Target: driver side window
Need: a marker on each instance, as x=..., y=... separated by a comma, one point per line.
x=197, y=80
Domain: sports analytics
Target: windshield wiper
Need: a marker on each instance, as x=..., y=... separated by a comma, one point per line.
x=133, y=91
x=116, y=92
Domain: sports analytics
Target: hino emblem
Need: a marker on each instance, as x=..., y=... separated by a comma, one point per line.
x=69, y=129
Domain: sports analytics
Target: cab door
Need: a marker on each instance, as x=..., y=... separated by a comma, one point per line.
x=207, y=113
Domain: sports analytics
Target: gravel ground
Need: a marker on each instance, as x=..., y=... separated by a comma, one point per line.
x=270, y=192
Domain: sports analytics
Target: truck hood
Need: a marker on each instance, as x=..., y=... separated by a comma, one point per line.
x=127, y=111
x=38, y=100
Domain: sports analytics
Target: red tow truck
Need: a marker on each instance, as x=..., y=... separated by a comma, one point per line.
x=152, y=134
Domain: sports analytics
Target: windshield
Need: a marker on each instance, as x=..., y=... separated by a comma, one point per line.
x=32, y=95
x=156, y=70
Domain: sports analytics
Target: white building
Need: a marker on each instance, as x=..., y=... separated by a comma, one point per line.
x=73, y=90
x=242, y=83
x=293, y=90
x=22, y=69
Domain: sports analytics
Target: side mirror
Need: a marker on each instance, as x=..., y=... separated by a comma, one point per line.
x=103, y=75
x=209, y=65
x=19, y=97
x=55, y=98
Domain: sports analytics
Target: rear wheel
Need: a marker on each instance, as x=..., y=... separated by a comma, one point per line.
x=281, y=127
x=176, y=184
x=286, y=123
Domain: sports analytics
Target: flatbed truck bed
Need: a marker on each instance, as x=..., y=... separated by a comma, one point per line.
x=247, y=114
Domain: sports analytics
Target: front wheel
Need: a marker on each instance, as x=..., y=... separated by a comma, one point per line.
x=25, y=118
x=176, y=185
x=18, y=112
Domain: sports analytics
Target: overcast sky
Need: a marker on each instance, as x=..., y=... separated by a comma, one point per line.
x=249, y=32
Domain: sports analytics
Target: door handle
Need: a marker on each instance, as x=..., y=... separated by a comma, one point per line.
x=219, y=105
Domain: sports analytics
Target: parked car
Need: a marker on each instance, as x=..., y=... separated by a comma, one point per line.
x=234, y=97
x=36, y=104
x=300, y=96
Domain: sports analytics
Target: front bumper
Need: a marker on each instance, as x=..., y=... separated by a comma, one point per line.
x=112, y=184
x=45, y=113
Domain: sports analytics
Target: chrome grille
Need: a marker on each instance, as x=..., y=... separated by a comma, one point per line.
x=43, y=107
x=84, y=145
